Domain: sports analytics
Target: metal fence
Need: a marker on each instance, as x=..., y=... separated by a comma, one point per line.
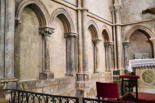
x=20, y=96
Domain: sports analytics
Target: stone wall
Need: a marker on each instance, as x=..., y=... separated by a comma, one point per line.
x=62, y=86
x=101, y=8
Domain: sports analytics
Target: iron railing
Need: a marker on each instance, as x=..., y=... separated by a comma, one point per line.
x=20, y=96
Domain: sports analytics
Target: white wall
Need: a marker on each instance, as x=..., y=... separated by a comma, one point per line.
x=100, y=8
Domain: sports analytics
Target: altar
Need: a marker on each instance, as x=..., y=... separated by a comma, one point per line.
x=145, y=68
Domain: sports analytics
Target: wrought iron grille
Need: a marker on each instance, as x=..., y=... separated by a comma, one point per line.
x=20, y=96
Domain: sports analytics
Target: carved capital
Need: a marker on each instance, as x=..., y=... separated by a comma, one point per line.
x=108, y=44
x=46, y=31
x=18, y=21
x=70, y=35
x=126, y=44
x=96, y=41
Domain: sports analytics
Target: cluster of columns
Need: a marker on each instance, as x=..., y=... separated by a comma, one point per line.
x=82, y=75
x=7, y=24
x=108, y=56
x=70, y=37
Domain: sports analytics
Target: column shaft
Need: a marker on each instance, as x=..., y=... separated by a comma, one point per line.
x=47, y=55
x=9, y=38
x=80, y=39
x=119, y=35
x=108, y=56
x=45, y=32
x=70, y=56
x=125, y=49
x=2, y=32
x=96, y=55
x=153, y=44
x=85, y=55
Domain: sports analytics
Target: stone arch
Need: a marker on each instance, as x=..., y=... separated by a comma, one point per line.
x=65, y=17
x=32, y=46
x=92, y=26
x=38, y=7
x=137, y=43
x=93, y=48
x=144, y=29
x=107, y=32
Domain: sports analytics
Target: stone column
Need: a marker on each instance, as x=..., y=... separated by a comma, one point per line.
x=85, y=55
x=2, y=24
x=82, y=24
x=46, y=32
x=96, y=55
x=153, y=43
x=112, y=8
x=7, y=26
x=70, y=56
x=82, y=75
x=119, y=35
x=108, y=56
x=9, y=38
x=125, y=49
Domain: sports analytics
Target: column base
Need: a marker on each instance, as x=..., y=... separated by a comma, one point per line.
x=122, y=72
x=46, y=75
x=116, y=74
x=82, y=84
x=8, y=83
x=82, y=77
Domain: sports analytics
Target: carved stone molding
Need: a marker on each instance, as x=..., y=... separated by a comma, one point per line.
x=96, y=41
x=65, y=13
x=46, y=31
x=37, y=6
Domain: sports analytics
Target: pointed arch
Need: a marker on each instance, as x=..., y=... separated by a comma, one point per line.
x=144, y=29
x=65, y=17
x=38, y=8
x=92, y=26
x=106, y=33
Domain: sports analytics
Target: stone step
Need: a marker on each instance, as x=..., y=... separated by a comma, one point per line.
x=2, y=100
